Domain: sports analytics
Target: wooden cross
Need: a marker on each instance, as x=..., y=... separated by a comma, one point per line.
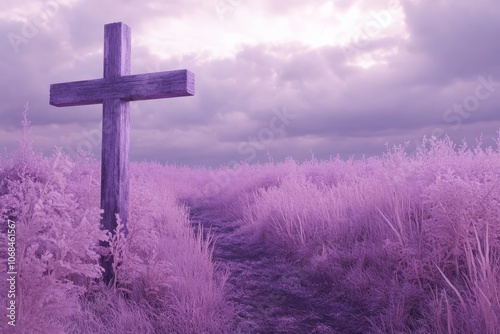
x=115, y=91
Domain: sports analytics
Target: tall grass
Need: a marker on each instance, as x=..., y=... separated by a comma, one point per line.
x=167, y=280
x=412, y=243
x=425, y=230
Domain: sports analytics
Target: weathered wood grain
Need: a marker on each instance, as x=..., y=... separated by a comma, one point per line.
x=128, y=88
x=116, y=121
x=114, y=91
x=116, y=139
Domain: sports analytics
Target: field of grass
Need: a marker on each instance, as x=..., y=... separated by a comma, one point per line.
x=402, y=244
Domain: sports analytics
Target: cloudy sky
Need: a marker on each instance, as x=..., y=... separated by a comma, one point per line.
x=280, y=78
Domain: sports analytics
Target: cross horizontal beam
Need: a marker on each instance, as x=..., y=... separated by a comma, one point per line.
x=127, y=88
x=114, y=91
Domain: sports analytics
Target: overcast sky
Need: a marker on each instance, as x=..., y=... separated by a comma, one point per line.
x=284, y=78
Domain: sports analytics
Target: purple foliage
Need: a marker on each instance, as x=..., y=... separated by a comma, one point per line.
x=391, y=244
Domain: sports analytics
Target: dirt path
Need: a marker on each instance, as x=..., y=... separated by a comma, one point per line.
x=270, y=293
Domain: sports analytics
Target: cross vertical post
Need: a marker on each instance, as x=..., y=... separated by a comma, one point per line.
x=115, y=138
x=114, y=91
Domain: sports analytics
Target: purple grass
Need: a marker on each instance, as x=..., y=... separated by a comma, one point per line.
x=392, y=244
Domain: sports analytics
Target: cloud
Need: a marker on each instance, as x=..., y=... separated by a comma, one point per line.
x=457, y=37
x=253, y=59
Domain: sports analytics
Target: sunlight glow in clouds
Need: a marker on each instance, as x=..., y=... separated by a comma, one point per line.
x=357, y=73
x=377, y=57
x=314, y=26
x=359, y=28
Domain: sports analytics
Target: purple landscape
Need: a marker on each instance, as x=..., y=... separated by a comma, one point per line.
x=237, y=167
x=391, y=244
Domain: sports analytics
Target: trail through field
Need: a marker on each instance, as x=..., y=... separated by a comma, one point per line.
x=272, y=294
